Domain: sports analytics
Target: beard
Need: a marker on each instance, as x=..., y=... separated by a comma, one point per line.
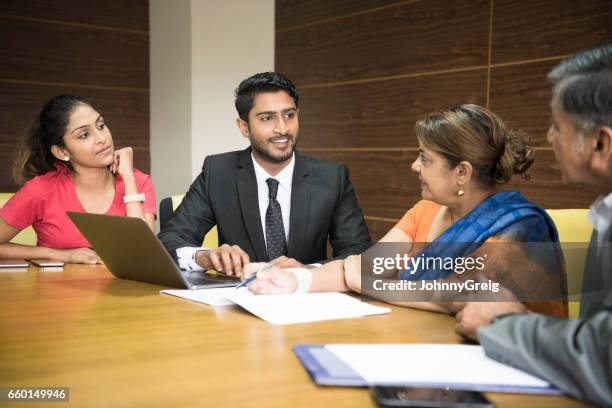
x=263, y=150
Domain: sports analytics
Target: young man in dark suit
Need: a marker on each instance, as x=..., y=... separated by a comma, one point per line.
x=574, y=355
x=268, y=201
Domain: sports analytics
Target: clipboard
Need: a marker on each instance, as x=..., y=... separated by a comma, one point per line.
x=328, y=369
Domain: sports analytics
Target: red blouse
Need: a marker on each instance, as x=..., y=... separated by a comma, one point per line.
x=44, y=200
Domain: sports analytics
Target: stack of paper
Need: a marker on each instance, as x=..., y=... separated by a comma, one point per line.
x=285, y=309
x=213, y=297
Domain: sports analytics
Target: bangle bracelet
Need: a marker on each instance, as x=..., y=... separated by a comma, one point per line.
x=346, y=268
x=133, y=198
x=304, y=277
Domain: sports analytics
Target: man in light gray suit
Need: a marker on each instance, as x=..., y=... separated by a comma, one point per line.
x=574, y=355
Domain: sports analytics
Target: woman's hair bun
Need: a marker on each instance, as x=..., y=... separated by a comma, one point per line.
x=516, y=157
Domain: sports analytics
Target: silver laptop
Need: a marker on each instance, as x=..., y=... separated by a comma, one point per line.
x=131, y=251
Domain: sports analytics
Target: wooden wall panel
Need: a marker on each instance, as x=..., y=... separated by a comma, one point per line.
x=132, y=15
x=291, y=13
x=142, y=156
x=546, y=188
x=126, y=113
x=46, y=52
x=381, y=113
x=383, y=181
x=532, y=29
x=387, y=188
x=520, y=94
x=414, y=37
x=99, y=50
x=367, y=71
x=7, y=155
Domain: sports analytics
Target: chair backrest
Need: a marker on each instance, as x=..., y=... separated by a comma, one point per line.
x=167, y=206
x=573, y=227
x=26, y=236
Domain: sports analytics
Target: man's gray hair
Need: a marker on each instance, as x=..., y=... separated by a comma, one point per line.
x=583, y=87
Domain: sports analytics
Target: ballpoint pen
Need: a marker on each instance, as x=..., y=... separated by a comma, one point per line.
x=252, y=278
x=246, y=281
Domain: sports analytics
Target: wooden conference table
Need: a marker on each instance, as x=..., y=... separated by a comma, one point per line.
x=120, y=343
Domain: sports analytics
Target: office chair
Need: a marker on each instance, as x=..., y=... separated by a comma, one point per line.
x=26, y=236
x=166, y=208
x=573, y=227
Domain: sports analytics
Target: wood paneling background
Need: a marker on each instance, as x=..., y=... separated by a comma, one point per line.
x=99, y=50
x=366, y=70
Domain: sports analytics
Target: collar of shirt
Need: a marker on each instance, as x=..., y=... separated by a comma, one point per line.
x=285, y=177
x=600, y=213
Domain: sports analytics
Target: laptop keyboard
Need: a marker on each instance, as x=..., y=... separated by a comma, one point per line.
x=201, y=279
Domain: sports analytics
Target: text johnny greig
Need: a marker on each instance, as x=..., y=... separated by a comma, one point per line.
x=406, y=263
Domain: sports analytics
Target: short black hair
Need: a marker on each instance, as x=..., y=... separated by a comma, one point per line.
x=583, y=87
x=259, y=83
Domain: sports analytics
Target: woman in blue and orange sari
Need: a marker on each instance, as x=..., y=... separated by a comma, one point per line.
x=465, y=155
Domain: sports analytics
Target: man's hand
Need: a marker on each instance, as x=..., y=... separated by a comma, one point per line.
x=284, y=262
x=475, y=315
x=228, y=259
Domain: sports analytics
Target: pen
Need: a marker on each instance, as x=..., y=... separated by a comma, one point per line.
x=252, y=278
x=246, y=281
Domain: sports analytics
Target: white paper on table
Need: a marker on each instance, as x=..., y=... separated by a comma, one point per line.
x=430, y=364
x=213, y=296
x=307, y=307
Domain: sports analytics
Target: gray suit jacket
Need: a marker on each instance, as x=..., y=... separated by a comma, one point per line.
x=574, y=355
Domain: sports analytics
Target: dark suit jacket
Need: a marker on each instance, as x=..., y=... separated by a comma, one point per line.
x=323, y=205
x=574, y=355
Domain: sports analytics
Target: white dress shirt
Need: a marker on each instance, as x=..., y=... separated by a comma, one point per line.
x=186, y=255
x=600, y=215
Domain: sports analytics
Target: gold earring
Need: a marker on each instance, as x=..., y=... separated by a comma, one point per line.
x=460, y=193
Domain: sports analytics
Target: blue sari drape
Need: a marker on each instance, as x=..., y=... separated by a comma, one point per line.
x=501, y=213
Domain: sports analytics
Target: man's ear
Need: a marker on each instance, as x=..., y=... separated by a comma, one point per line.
x=464, y=171
x=243, y=126
x=601, y=159
x=60, y=153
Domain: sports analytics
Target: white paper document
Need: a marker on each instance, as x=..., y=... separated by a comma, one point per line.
x=431, y=365
x=307, y=307
x=285, y=309
x=212, y=297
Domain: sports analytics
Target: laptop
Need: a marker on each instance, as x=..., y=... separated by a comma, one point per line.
x=131, y=251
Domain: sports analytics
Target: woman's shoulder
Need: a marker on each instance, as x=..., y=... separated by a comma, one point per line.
x=424, y=207
x=47, y=182
x=23, y=208
x=419, y=218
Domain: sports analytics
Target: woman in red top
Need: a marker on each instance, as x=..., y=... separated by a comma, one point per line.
x=70, y=164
